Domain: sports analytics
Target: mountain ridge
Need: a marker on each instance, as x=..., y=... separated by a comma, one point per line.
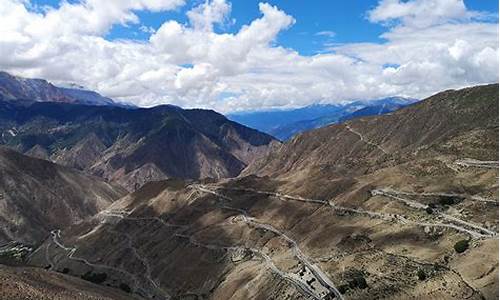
x=16, y=88
x=118, y=144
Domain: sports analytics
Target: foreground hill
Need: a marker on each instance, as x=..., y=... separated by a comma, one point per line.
x=34, y=283
x=37, y=196
x=394, y=207
x=132, y=146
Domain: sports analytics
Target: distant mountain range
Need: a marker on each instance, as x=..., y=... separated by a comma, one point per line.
x=18, y=88
x=283, y=124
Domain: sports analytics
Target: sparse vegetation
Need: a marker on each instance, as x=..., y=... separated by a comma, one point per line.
x=343, y=288
x=358, y=282
x=95, y=277
x=447, y=200
x=429, y=210
x=461, y=246
x=125, y=287
x=421, y=275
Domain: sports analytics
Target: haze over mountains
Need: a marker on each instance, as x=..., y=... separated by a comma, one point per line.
x=284, y=124
x=369, y=208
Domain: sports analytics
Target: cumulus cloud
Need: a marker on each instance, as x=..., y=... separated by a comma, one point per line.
x=420, y=13
x=203, y=17
x=429, y=45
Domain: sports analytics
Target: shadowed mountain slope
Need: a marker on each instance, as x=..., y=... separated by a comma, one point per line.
x=37, y=196
x=132, y=146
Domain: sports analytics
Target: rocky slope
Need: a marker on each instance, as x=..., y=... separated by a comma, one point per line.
x=440, y=125
x=37, y=196
x=396, y=206
x=33, y=283
x=132, y=146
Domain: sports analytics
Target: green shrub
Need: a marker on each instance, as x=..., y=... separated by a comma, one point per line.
x=461, y=246
x=448, y=200
x=358, y=282
x=343, y=288
x=421, y=275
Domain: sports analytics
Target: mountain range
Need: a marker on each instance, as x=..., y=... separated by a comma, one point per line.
x=284, y=124
x=111, y=202
x=131, y=146
x=376, y=207
x=16, y=88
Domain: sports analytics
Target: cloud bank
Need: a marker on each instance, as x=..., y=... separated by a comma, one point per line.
x=428, y=46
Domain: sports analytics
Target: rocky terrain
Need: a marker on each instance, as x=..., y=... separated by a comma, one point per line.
x=132, y=146
x=397, y=206
x=37, y=196
x=35, y=283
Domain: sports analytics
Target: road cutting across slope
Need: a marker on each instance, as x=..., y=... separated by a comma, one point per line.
x=318, y=273
x=363, y=139
x=474, y=230
x=475, y=163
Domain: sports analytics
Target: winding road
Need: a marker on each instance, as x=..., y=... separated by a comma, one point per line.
x=473, y=229
x=363, y=139
x=318, y=273
x=474, y=163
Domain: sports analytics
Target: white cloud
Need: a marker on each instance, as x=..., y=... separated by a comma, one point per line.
x=420, y=13
x=203, y=17
x=429, y=46
x=326, y=33
x=147, y=29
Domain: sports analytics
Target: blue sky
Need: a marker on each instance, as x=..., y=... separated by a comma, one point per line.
x=250, y=55
x=345, y=19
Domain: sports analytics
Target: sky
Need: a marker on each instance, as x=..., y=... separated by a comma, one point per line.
x=248, y=55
